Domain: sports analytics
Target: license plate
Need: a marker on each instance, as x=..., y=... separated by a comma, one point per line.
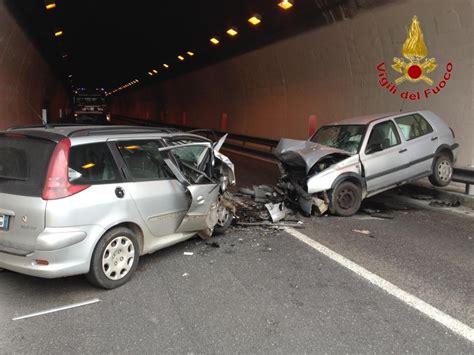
x=4, y=222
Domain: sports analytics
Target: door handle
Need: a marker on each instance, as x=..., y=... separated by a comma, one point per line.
x=434, y=138
x=402, y=151
x=200, y=200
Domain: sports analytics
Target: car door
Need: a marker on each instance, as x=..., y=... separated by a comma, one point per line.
x=160, y=198
x=383, y=156
x=192, y=165
x=421, y=142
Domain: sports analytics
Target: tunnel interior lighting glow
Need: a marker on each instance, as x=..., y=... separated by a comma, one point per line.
x=255, y=19
x=232, y=32
x=58, y=33
x=50, y=6
x=166, y=66
x=180, y=57
x=190, y=53
x=155, y=71
x=285, y=4
x=150, y=73
x=70, y=76
x=214, y=41
x=65, y=55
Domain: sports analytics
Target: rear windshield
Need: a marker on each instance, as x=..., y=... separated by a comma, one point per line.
x=23, y=165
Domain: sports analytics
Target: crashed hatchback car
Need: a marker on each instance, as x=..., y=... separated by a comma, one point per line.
x=345, y=162
x=93, y=199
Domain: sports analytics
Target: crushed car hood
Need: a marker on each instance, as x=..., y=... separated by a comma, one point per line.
x=304, y=154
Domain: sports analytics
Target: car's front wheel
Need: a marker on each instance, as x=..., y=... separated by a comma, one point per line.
x=115, y=258
x=346, y=199
x=225, y=217
x=442, y=171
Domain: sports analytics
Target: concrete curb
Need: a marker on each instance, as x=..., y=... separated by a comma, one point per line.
x=440, y=194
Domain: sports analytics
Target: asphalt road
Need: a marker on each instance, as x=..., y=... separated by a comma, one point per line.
x=264, y=291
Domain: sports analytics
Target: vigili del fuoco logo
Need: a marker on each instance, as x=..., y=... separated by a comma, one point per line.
x=414, y=67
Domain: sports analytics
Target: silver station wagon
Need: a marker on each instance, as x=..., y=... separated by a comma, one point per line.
x=92, y=199
x=345, y=162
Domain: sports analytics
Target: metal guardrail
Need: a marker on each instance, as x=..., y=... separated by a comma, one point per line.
x=465, y=176
x=263, y=146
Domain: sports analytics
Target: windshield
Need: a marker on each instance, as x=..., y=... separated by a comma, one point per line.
x=345, y=137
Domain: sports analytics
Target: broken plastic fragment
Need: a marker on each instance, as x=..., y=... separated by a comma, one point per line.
x=277, y=211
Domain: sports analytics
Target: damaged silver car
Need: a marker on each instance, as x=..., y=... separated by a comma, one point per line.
x=93, y=199
x=345, y=162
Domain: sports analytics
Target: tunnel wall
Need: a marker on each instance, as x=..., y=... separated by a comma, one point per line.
x=330, y=72
x=27, y=83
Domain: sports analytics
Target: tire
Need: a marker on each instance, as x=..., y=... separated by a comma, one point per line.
x=345, y=199
x=118, y=246
x=224, y=219
x=442, y=171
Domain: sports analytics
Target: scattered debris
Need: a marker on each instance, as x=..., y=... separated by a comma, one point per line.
x=271, y=225
x=213, y=244
x=188, y=253
x=277, y=211
x=381, y=215
x=362, y=231
x=422, y=197
x=444, y=203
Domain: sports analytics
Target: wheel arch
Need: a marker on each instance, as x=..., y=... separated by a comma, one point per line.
x=352, y=177
x=135, y=228
x=443, y=149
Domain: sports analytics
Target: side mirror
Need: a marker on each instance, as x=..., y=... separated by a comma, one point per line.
x=376, y=147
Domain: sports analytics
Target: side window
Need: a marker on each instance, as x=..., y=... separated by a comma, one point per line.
x=92, y=164
x=413, y=126
x=384, y=135
x=144, y=160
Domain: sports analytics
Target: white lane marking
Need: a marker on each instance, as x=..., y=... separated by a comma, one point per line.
x=58, y=309
x=437, y=315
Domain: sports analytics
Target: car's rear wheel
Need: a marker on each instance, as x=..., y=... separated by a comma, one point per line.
x=442, y=171
x=346, y=199
x=115, y=258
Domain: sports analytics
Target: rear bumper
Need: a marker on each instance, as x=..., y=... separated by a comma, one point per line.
x=67, y=251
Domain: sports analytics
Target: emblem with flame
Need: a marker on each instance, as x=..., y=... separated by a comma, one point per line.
x=415, y=51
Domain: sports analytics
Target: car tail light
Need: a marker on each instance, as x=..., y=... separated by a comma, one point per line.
x=452, y=131
x=57, y=181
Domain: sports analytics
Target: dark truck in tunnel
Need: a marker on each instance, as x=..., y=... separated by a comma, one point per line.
x=345, y=162
x=89, y=107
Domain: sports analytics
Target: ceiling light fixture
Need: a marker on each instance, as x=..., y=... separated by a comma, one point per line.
x=190, y=53
x=166, y=66
x=232, y=32
x=58, y=33
x=255, y=19
x=286, y=4
x=155, y=71
x=180, y=57
x=50, y=6
x=150, y=73
x=214, y=41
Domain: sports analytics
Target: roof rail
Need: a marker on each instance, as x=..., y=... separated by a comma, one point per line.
x=47, y=125
x=118, y=130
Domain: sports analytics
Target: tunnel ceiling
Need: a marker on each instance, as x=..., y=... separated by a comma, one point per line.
x=108, y=43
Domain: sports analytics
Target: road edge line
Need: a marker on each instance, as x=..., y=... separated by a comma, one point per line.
x=428, y=310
